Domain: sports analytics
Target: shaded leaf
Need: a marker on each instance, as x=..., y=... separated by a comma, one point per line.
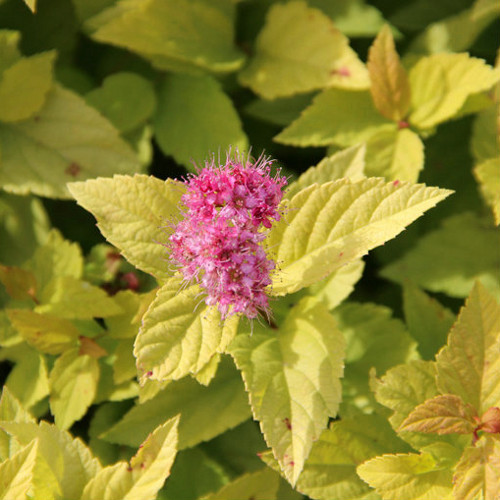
x=488, y=175
x=19, y=283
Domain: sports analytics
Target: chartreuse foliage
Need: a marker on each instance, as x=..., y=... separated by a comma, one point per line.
x=375, y=115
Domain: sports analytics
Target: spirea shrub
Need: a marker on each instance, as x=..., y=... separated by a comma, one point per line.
x=292, y=291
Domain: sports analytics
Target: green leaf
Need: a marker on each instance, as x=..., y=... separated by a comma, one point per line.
x=469, y=365
x=428, y=321
x=145, y=474
x=441, y=83
x=477, y=474
x=71, y=298
x=335, y=223
x=67, y=140
x=57, y=257
x=299, y=40
x=133, y=214
x=338, y=286
x=174, y=340
x=73, y=385
x=488, y=175
x=28, y=380
x=335, y=116
x=395, y=155
x=349, y=162
x=9, y=52
x=443, y=414
x=390, y=87
x=330, y=470
x=19, y=283
x=485, y=140
x=260, y=485
x=24, y=86
x=124, y=364
x=207, y=373
x=175, y=34
x=17, y=473
x=67, y=462
x=471, y=254
x=410, y=476
x=205, y=411
x=195, y=118
x=292, y=377
x=126, y=99
x=45, y=332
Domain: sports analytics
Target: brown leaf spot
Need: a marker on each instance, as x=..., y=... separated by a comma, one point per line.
x=73, y=169
x=288, y=424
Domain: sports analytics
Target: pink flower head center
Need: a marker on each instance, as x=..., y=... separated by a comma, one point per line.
x=218, y=243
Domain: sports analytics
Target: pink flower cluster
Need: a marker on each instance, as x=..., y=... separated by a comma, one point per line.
x=218, y=242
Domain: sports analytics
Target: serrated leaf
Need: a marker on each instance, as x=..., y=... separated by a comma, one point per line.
x=67, y=462
x=45, y=332
x=133, y=214
x=66, y=140
x=330, y=470
x=410, y=476
x=349, y=162
x=260, y=485
x=73, y=385
x=126, y=99
x=24, y=86
x=175, y=34
x=16, y=473
x=145, y=474
x=195, y=118
x=330, y=225
x=28, y=379
x=57, y=257
x=469, y=365
x=338, y=117
x=19, y=283
x=471, y=254
x=395, y=155
x=208, y=372
x=488, y=175
x=477, y=474
x=292, y=377
x=339, y=285
x=428, y=321
x=174, y=340
x=443, y=414
x=70, y=298
x=205, y=411
x=441, y=83
x=299, y=49
x=390, y=87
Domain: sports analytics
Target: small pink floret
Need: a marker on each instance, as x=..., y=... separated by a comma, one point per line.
x=218, y=243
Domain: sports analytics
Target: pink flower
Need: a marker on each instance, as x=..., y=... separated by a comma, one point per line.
x=218, y=243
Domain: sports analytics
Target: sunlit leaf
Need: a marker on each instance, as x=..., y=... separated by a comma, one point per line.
x=292, y=377
x=488, y=175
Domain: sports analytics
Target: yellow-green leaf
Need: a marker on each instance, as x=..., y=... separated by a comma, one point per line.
x=67, y=140
x=469, y=365
x=47, y=333
x=24, y=86
x=144, y=475
x=195, y=119
x=335, y=116
x=488, y=175
x=205, y=411
x=73, y=385
x=390, y=87
x=16, y=474
x=332, y=224
x=395, y=155
x=299, y=49
x=174, y=339
x=260, y=485
x=293, y=380
x=410, y=476
x=485, y=138
x=441, y=83
x=133, y=214
x=349, y=163
x=477, y=474
x=443, y=414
